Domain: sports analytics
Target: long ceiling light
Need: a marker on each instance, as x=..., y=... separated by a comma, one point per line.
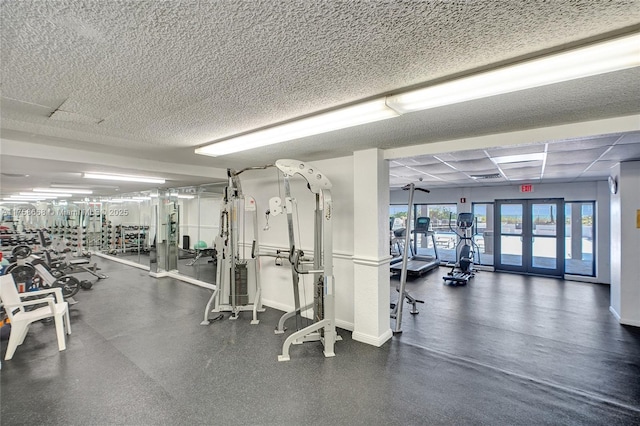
x=46, y=194
x=520, y=158
x=66, y=190
x=613, y=55
x=122, y=178
x=363, y=113
x=23, y=198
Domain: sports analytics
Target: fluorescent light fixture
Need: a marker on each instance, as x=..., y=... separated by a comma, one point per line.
x=123, y=178
x=140, y=198
x=600, y=58
x=19, y=198
x=354, y=115
x=187, y=197
x=66, y=190
x=520, y=158
x=46, y=194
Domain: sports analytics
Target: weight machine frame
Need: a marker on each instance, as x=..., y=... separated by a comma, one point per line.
x=323, y=328
x=228, y=247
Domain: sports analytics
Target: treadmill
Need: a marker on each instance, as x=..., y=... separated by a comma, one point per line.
x=419, y=264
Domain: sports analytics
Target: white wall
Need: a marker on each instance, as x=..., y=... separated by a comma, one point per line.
x=276, y=281
x=582, y=191
x=625, y=244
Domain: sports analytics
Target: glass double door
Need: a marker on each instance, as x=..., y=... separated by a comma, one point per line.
x=530, y=236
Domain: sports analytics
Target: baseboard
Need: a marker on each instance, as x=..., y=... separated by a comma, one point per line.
x=624, y=321
x=615, y=314
x=634, y=323
x=345, y=325
x=158, y=274
x=119, y=260
x=583, y=279
x=276, y=305
x=190, y=280
x=376, y=341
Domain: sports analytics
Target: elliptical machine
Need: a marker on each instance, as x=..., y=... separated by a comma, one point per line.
x=462, y=271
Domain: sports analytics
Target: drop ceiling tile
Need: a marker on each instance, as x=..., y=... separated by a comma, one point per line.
x=523, y=173
x=586, y=156
x=515, y=150
x=633, y=137
x=584, y=144
x=522, y=165
x=445, y=156
x=469, y=155
x=594, y=174
x=474, y=165
x=425, y=159
x=566, y=168
x=435, y=169
x=625, y=152
x=602, y=165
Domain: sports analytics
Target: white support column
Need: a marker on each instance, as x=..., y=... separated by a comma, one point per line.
x=625, y=244
x=371, y=257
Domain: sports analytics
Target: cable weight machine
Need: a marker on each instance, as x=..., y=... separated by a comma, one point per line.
x=238, y=276
x=322, y=327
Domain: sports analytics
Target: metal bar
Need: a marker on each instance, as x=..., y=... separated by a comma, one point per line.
x=292, y=248
x=403, y=274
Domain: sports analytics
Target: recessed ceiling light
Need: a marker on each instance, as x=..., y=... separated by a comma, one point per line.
x=487, y=176
x=519, y=158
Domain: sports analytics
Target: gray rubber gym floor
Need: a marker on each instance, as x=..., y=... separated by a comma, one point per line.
x=504, y=350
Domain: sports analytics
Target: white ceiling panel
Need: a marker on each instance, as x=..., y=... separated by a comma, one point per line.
x=516, y=150
x=582, y=144
x=602, y=166
x=436, y=169
x=575, y=156
x=474, y=165
x=522, y=165
x=630, y=138
x=565, y=171
x=522, y=172
x=626, y=152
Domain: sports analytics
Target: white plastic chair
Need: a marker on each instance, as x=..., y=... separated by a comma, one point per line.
x=21, y=319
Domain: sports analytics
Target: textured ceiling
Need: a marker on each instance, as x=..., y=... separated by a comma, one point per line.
x=155, y=79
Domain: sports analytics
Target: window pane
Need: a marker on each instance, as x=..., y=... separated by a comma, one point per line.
x=446, y=240
x=483, y=214
x=511, y=250
x=544, y=219
x=511, y=216
x=579, y=233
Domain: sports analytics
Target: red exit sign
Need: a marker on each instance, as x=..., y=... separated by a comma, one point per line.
x=526, y=188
